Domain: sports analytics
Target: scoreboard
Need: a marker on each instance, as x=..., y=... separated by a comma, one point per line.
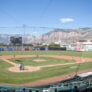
x=16, y=40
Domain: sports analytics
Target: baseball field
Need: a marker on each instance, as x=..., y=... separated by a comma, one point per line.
x=41, y=67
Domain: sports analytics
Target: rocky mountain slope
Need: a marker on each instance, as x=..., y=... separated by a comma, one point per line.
x=65, y=35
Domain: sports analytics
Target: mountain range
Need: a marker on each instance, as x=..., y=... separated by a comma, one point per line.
x=62, y=35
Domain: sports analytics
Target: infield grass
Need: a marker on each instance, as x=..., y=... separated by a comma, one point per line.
x=48, y=61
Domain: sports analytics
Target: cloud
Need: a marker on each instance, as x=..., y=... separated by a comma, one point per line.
x=34, y=32
x=65, y=20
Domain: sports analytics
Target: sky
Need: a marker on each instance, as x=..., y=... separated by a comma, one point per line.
x=46, y=13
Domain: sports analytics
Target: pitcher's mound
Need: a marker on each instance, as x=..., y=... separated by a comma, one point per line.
x=26, y=69
x=39, y=60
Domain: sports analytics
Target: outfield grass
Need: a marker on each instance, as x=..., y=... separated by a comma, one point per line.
x=17, y=78
x=49, y=61
x=68, y=53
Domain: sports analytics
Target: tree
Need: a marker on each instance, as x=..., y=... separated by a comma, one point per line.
x=54, y=45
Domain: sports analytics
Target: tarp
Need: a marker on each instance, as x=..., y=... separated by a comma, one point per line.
x=11, y=49
x=85, y=74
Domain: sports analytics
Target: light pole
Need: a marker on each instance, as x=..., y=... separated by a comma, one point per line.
x=23, y=39
x=36, y=43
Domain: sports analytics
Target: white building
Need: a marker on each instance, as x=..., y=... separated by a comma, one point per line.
x=84, y=45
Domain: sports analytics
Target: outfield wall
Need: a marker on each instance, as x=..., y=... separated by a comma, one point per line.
x=28, y=48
